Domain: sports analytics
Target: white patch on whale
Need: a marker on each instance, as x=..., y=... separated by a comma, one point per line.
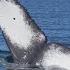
x=23, y=37
x=14, y=24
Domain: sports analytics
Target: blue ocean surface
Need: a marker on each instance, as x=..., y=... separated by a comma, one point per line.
x=52, y=16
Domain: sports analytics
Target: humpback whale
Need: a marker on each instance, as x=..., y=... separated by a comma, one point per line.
x=27, y=42
x=22, y=35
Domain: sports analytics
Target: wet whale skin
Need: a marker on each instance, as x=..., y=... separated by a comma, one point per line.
x=22, y=35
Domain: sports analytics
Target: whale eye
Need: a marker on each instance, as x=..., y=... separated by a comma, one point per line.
x=13, y=18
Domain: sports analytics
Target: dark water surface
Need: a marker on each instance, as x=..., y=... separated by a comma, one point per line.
x=52, y=16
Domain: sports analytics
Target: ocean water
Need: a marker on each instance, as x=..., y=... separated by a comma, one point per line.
x=52, y=16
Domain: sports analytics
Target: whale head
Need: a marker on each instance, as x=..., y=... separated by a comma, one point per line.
x=20, y=31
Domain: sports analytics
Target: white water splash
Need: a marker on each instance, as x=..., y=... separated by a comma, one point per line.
x=54, y=57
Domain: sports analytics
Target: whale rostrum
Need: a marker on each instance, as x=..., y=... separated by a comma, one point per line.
x=22, y=35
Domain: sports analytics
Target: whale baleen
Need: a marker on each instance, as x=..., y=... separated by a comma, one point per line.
x=22, y=35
